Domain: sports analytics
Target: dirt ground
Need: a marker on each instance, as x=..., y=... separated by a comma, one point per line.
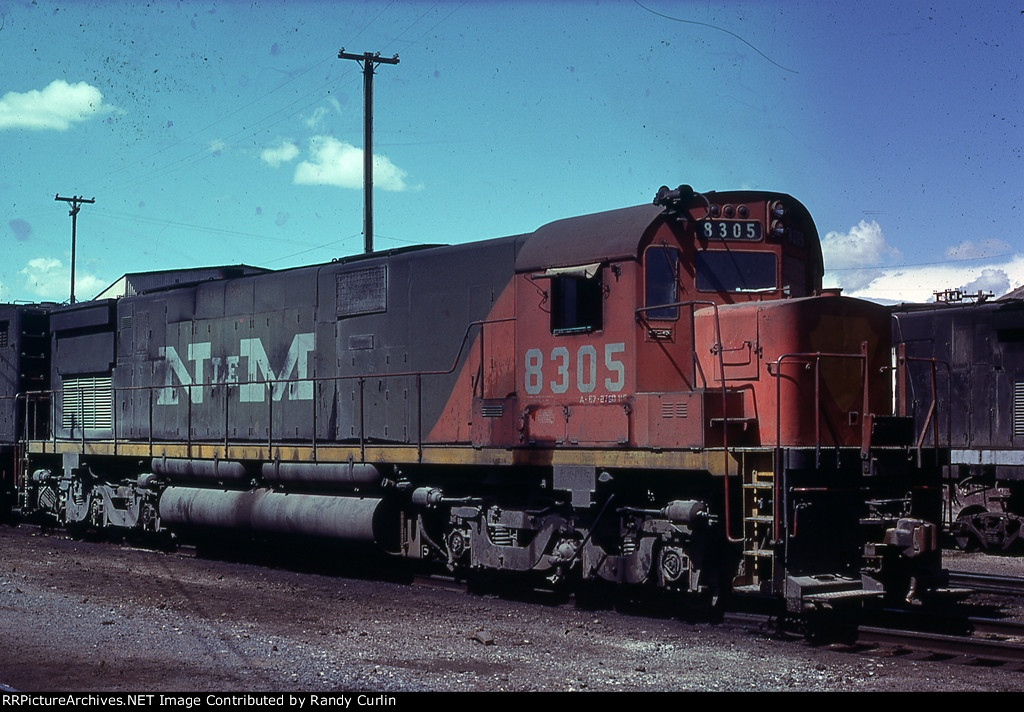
x=83, y=616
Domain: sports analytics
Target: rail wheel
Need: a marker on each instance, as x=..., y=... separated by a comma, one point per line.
x=965, y=532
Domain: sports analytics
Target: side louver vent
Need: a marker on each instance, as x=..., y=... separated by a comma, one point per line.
x=87, y=403
x=675, y=410
x=492, y=411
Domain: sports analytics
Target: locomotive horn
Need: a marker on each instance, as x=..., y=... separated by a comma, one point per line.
x=674, y=200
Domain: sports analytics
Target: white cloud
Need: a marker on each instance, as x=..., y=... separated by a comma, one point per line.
x=968, y=250
x=918, y=284
x=41, y=276
x=993, y=281
x=316, y=119
x=56, y=107
x=284, y=153
x=334, y=162
x=863, y=245
x=321, y=114
x=50, y=279
x=852, y=259
x=861, y=263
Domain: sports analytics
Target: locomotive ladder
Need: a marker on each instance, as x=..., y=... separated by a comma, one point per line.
x=758, y=533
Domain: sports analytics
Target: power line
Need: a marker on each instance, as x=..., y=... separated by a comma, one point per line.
x=936, y=263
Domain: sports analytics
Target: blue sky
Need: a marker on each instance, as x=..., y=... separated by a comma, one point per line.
x=225, y=132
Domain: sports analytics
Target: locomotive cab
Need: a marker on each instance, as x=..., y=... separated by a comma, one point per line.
x=606, y=303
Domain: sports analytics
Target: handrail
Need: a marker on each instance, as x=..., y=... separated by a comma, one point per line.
x=270, y=384
x=903, y=390
x=903, y=364
x=718, y=351
x=780, y=522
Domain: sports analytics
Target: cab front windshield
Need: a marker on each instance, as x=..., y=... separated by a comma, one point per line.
x=736, y=271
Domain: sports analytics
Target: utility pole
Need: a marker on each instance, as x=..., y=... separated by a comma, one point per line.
x=76, y=205
x=369, y=61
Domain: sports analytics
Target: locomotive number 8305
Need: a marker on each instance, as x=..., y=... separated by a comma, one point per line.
x=660, y=396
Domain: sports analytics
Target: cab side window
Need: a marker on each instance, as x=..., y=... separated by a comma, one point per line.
x=661, y=282
x=576, y=304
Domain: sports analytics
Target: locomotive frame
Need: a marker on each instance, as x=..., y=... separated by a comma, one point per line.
x=658, y=396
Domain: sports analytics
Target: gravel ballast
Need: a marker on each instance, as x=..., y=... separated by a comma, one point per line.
x=90, y=616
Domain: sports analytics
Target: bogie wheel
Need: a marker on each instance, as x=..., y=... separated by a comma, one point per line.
x=965, y=533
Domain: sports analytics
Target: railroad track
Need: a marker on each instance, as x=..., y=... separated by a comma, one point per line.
x=993, y=648
x=908, y=634
x=987, y=583
x=898, y=635
x=981, y=642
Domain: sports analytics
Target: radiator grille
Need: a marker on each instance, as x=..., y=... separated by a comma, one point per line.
x=1018, y=409
x=362, y=291
x=87, y=402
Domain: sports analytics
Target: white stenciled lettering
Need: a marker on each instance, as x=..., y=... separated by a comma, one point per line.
x=198, y=353
x=561, y=355
x=534, y=371
x=614, y=366
x=168, y=395
x=584, y=371
x=259, y=365
x=291, y=380
x=255, y=390
x=225, y=370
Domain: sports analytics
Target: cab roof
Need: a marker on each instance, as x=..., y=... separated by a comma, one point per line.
x=599, y=237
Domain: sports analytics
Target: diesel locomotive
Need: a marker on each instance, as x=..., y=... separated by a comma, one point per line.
x=660, y=396
x=971, y=355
